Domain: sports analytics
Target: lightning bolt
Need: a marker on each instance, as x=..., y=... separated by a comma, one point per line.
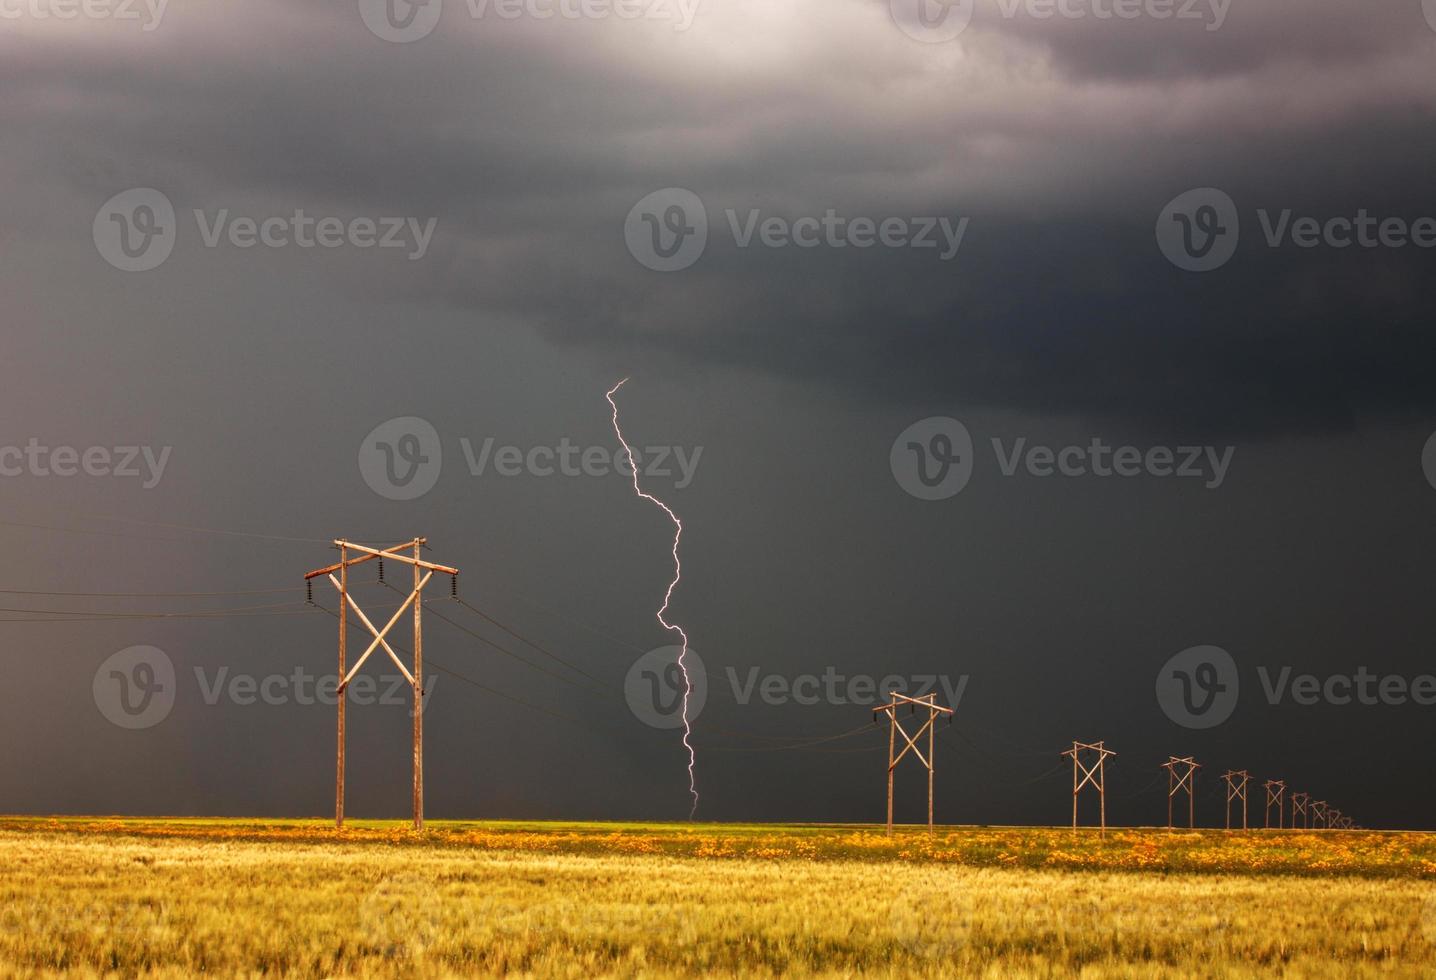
x=667, y=596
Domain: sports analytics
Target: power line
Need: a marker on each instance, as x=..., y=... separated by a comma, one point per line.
x=502, y=649
x=716, y=689
x=82, y=530
x=571, y=620
x=80, y=616
x=102, y=617
x=509, y=653
x=190, y=528
x=211, y=530
x=469, y=680
x=800, y=742
x=523, y=639
x=149, y=595
x=601, y=634
x=712, y=676
x=148, y=615
x=803, y=742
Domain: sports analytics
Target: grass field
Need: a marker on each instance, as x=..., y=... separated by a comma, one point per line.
x=178, y=898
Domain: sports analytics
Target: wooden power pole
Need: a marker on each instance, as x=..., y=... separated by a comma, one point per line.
x=928, y=703
x=1318, y=814
x=1089, y=773
x=1179, y=781
x=1298, y=809
x=423, y=571
x=1275, y=797
x=1236, y=780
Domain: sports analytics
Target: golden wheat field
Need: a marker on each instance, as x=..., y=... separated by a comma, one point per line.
x=181, y=898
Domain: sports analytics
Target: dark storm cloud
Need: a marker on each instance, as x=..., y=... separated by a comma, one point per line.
x=1208, y=38
x=795, y=370
x=1060, y=139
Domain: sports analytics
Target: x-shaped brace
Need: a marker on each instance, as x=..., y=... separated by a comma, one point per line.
x=911, y=740
x=1089, y=775
x=379, y=635
x=1182, y=781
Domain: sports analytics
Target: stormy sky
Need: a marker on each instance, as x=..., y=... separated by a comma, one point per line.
x=521, y=164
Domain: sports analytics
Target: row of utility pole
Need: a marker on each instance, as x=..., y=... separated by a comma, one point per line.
x=1088, y=769
x=1089, y=759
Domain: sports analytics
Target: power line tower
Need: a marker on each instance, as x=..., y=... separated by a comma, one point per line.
x=1333, y=818
x=1275, y=790
x=929, y=703
x=1318, y=814
x=423, y=571
x=1186, y=780
x=1236, y=780
x=1298, y=809
x=1092, y=774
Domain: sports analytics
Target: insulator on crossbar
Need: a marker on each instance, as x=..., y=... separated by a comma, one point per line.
x=453, y=586
x=381, y=570
x=309, y=589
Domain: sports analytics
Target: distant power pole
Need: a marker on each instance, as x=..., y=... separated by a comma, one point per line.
x=1236, y=780
x=423, y=571
x=1275, y=790
x=1298, y=808
x=1177, y=781
x=928, y=703
x=1318, y=814
x=1093, y=773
